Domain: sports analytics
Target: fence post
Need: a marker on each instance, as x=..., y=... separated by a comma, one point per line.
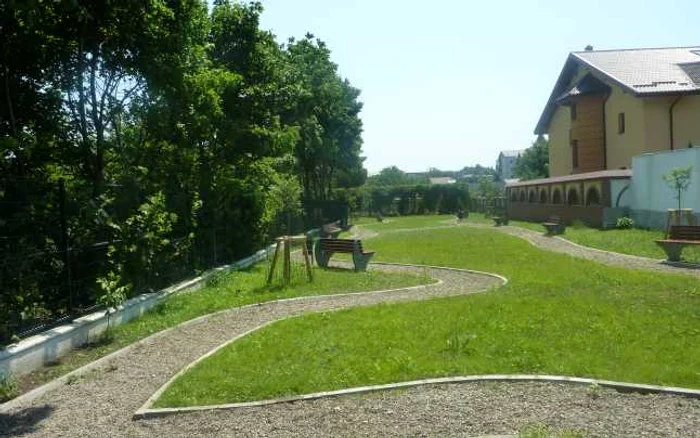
x=65, y=248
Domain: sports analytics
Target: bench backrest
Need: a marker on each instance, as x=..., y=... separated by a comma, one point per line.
x=340, y=245
x=684, y=232
x=554, y=220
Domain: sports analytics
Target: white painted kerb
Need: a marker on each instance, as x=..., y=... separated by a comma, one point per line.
x=48, y=347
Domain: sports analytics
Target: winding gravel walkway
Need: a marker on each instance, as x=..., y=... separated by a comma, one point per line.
x=561, y=245
x=102, y=402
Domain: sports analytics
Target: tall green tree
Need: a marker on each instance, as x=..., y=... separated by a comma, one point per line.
x=327, y=115
x=534, y=162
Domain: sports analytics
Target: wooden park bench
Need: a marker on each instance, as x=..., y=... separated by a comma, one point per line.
x=678, y=237
x=554, y=225
x=500, y=220
x=325, y=248
x=331, y=230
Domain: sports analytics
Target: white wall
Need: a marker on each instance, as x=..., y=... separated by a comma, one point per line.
x=48, y=347
x=651, y=196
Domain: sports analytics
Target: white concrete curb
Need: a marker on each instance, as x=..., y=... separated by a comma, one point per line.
x=39, y=350
x=40, y=391
x=152, y=399
x=145, y=413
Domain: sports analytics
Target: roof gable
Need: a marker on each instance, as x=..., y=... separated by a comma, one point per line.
x=642, y=72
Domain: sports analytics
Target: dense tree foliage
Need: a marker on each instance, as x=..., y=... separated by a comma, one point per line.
x=399, y=200
x=534, y=162
x=182, y=136
x=393, y=176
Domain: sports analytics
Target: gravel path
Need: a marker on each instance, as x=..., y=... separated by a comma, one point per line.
x=561, y=245
x=102, y=402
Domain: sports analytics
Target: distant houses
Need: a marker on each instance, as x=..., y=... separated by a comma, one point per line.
x=505, y=165
x=443, y=180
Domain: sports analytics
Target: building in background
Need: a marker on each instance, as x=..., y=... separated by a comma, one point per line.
x=505, y=165
x=607, y=108
x=442, y=180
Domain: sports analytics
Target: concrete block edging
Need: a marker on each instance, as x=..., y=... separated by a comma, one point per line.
x=38, y=392
x=44, y=348
x=153, y=398
x=147, y=413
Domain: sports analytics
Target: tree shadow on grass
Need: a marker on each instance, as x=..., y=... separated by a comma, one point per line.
x=24, y=421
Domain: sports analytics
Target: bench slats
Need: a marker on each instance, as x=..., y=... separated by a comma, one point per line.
x=326, y=247
x=678, y=237
x=684, y=232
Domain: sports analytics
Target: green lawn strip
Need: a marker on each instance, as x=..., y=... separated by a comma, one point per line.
x=222, y=292
x=558, y=315
x=399, y=222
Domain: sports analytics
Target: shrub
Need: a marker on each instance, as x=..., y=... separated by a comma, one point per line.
x=625, y=223
x=8, y=388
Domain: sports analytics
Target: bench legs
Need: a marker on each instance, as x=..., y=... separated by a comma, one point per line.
x=672, y=250
x=322, y=257
x=361, y=261
x=554, y=229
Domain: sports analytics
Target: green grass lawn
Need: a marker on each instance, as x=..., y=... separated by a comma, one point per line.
x=222, y=292
x=558, y=315
x=393, y=223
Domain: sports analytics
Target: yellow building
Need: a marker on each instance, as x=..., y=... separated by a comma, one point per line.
x=611, y=105
x=606, y=107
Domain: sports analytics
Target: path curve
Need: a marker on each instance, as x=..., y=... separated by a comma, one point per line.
x=564, y=246
x=104, y=399
x=98, y=404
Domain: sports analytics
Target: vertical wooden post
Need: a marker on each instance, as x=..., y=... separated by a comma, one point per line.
x=274, y=262
x=287, y=260
x=305, y=250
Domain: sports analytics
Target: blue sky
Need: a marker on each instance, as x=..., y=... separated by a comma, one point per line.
x=450, y=83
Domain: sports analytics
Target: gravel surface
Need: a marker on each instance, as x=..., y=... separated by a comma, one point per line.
x=452, y=410
x=102, y=402
x=562, y=245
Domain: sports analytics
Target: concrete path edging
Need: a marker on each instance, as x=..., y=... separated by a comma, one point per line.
x=153, y=398
x=85, y=369
x=147, y=412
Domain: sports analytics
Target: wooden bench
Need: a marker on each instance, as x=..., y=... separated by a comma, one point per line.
x=500, y=220
x=325, y=248
x=678, y=237
x=331, y=230
x=554, y=225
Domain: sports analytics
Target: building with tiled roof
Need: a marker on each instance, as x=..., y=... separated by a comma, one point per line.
x=607, y=109
x=610, y=105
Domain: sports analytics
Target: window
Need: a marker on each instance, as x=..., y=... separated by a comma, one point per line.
x=531, y=197
x=592, y=196
x=574, y=154
x=572, y=197
x=573, y=111
x=621, y=123
x=556, y=197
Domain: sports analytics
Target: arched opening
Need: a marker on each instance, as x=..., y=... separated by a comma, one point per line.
x=522, y=195
x=592, y=196
x=531, y=197
x=556, y=196
x=572, y=197
x=543, y=196
x=513, y=195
